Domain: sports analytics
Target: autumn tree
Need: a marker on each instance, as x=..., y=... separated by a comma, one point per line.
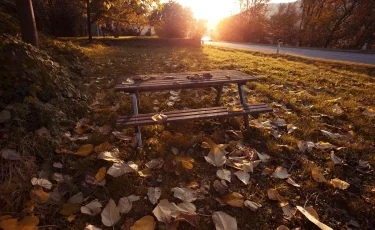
x=173, y=21
x=284, y=23
x=27, y=22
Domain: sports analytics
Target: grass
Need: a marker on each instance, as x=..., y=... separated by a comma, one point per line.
x=303, y=85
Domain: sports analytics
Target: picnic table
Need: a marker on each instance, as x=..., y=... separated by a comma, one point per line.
x=187, y=80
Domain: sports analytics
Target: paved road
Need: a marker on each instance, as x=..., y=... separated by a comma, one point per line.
x=323, y=54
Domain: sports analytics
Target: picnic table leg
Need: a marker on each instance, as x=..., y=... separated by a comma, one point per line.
x=243, y=102
x=218, y=96
x=137, y=128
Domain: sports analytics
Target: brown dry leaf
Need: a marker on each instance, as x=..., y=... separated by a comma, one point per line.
x=186, y=162
x=71, y=218
x=217, y=154
x=85, y=150
x=39, y=195
x=9, y=224
x=41, y=182
x=324, y=145
x=191, y=218
x=63, y=150
x=233, y=199
x=263, y=157
x=105, y=146
x=28, y=223
x=82, y=126
x=340, y=184
x=313, y=219
x=184, y=194
x=91, y=227
x=282, y=227
x=305, y=146
x=69, y=209
x=292, y=182
x=112, y=156
x=281, y=173
x=110, y=214
x=224, y=221
x=165, y=210
x=156, y=163
x=159, y=118
x=249, y=167
x=288, y=210
x=317, y=175
x=312, y=212
x=267, y=171
x=100, y=175
x=369, y=112
x=274, y=195
x=145, y=223
x=337, y=109
x=93, y=208
x=252, y=205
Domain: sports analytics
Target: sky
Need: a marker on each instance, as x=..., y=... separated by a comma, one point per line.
x=215, y=10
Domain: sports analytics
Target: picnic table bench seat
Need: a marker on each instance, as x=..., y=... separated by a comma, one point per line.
x=187, y=80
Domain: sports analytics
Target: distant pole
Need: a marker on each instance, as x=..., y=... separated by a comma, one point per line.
x=278, y=46
x=89, y=20
x=27, y=22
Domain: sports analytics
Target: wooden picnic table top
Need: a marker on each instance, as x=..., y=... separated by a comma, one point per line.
x=186, y=80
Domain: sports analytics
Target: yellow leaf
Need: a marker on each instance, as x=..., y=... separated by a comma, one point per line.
x=233, y=199
x=9, y=224
x=317, y=175
x=69, y=209
x=312, y=212
x=187, y=162
x=28, y=223
x=234, y=109
x=100, y=174
x=39, y=195
x=159, y=118
x=85, y=150
x=71, y=218
x=337, y=183
x=145, y=223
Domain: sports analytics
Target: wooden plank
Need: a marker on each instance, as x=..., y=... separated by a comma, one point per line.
x=187, y=112
x=181, y=81
x=203, y=114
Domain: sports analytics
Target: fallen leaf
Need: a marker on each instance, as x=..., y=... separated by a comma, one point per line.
x=313, y=219
x=85, y=150
x=223, y=174
x=28, y=223
x=91, y=180
x=217, y=154
x=281, y=173
x=69, y=209
x=187, y=207
x=76, y=199
x=154, y=194
x=312, y=212
x=234, y=109
x=369, y=112
x=224, y=221
x=252, y=205
x=58, y=165
x=165, y=210
x=317, y=175
x=267, y=171
x=40, y=195
x=263, y=157
x=91, y=227
x=58, y=177
x=274, y=195
x=160, y=118
x=105, y=129
x=156, y=163
x=145, y=223
x=220, y=187
x=292, y=182
x=42, y=132
x=243, y=176
x=71, y=218
x=282, y=227
x=118, y=169
x=110, y=214
x=125, y=205
x=105, y=146
x=93, y=208
x=191, y=218
x=305, y=146
x=186, y=162
x=324, y=145
x=340, y=184
x=10, y=154
x=175, y=150
x=288, y=210
x=9, y=224
x=100, y=175
x=337, y=160
x=291, y=128
x=337, y=109
x=233, y=199
x=249, y=167
x=41, y=182
x=184, y=194
x=112, y=156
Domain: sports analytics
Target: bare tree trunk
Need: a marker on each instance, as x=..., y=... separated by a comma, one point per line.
x=89, y=20
x=27, y=22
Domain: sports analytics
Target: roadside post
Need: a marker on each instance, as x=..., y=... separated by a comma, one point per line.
x=278, y=46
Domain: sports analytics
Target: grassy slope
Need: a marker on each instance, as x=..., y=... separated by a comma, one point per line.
x=283, y=78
